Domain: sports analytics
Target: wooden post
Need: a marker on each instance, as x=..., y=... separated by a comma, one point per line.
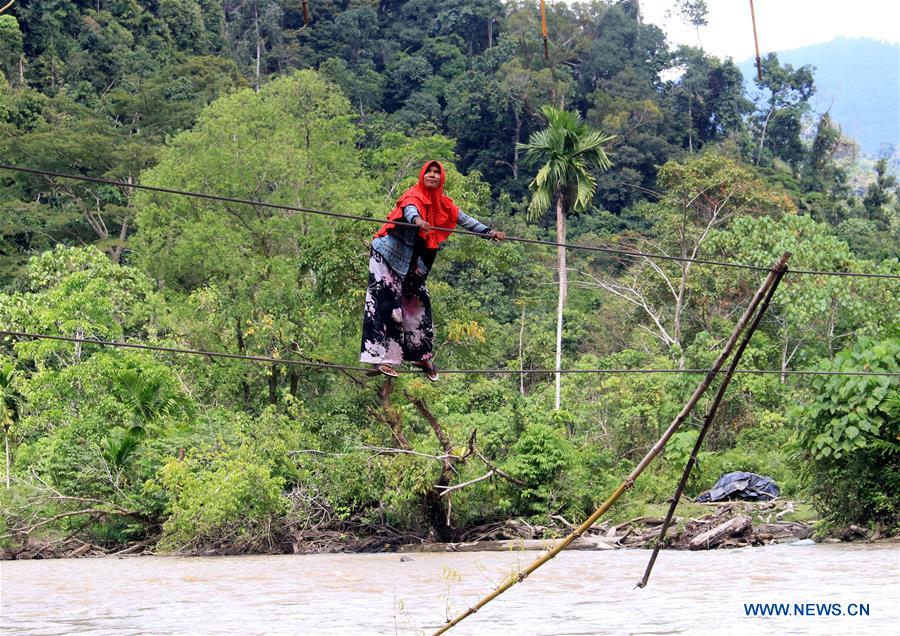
x=711, y=414
x=657, y=448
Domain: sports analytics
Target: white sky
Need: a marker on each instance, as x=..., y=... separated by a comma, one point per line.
x=781, y=24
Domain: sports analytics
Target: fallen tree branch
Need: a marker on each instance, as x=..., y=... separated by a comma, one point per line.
x=72, y=513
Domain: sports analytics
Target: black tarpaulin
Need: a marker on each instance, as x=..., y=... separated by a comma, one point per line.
x=741, y=486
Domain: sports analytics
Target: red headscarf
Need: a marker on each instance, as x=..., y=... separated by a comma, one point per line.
x=436, y=209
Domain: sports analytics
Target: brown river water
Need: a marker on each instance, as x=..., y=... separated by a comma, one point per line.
x=576, y=593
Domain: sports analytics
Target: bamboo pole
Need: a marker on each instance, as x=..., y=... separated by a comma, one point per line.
x=630, y=479
x=756, y=43
x=710, y=416
x=544, y=30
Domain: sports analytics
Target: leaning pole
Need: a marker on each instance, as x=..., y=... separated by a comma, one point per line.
x=707, y=423
x=775, y=273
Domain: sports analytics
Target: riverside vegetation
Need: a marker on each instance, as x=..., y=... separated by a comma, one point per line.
x=124, y=449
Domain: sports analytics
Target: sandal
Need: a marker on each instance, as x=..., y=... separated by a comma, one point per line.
x=383, y=369
x=428, y=369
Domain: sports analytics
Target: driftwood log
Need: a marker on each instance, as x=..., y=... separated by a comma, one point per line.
x=713, y=537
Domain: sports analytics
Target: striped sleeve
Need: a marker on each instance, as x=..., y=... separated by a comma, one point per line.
x=410, y=212
x=472, y=224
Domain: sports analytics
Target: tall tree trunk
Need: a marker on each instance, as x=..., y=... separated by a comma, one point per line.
x=439, y=511
x=691, y=125
x=831, y=324
x=784, y=356
x=762, y=136
x=8, y=462
x=123, y=231
x=521, y=359
x=515, y=164
x=52, y=64
x=79, y=333
x=273, y=384
x=679, y=309
x=240, y=343
x=116, y=253
x=563, y=287
x=682, y=287
x=256, y=20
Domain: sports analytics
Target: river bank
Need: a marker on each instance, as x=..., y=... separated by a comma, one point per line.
x=722, y=525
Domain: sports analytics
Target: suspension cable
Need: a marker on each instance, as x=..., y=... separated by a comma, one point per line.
x=346, y=367
x=351, y=217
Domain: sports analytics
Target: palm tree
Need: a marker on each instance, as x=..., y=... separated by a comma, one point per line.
x=569, y=149
x=148, y=399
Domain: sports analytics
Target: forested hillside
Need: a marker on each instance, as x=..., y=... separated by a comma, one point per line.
x=244, y=100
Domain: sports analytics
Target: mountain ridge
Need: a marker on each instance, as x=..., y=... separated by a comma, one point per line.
x=857, y=81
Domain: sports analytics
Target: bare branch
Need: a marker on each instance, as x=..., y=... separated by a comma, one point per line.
x=403, y=451
x=446, y=490
x=502, y=473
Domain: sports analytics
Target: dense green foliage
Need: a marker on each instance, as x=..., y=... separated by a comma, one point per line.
x=851, y=433
x=240, y=99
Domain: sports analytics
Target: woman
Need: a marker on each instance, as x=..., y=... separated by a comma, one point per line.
x=397, y=322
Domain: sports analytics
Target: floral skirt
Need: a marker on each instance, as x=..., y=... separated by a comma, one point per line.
x=397, y=323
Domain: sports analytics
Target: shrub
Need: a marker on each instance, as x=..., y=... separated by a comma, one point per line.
x=539, y=458
x=849, y=433
x=222, y=501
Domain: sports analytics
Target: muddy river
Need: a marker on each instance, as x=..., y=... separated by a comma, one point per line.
x=816, y=589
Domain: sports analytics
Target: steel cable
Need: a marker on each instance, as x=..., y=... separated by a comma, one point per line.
x=347, y=367
x=351, y=217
